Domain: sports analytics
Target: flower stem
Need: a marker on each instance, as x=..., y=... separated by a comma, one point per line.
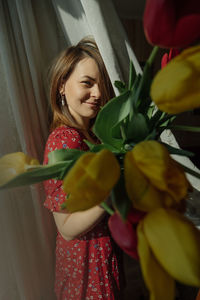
x=190, y=171
x=152, y=55
x=185, y=128
x=107, y=208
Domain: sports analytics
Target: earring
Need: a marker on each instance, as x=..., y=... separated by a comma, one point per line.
x=63, y=100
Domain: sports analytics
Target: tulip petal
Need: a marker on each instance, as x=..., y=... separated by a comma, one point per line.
x=134, y=215
x=124, y=234
x=14, y=164
x=178, y=24
x=153, y=159
x=168, y=57
x=160, y=284
x=175, y=243
x=153, y=178
x=176, y=88
x=142, y=194
x=90, y=180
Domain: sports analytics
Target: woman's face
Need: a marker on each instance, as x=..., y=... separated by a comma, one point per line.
x=82, y=91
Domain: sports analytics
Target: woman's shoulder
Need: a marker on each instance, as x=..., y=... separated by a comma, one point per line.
x=64, y=131
x=64, y=137
x=65, y=134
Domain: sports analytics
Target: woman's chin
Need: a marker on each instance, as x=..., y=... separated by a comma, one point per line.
x=91, y=114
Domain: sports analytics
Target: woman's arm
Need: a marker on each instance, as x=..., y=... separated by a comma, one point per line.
x=76, y=224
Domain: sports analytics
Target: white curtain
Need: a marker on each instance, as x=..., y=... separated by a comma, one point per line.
x=29, y=39
x=32, y=33
x=98, y=18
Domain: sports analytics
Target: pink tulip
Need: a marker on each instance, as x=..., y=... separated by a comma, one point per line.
x=124, y=232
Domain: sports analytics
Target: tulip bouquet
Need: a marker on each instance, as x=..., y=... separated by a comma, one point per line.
x=148, y=188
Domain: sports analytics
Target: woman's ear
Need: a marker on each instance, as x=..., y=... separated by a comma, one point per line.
x=62, y=89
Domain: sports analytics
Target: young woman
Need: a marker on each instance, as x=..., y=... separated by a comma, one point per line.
x=87, y=260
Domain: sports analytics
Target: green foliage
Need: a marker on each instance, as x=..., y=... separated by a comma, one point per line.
x=120, y=86
x=111, y=115
x=137, y=129
x=130, y=117
x=120, y=200
x=132, y=75
x=63, y=155
x=40, y=173
x=99, y=147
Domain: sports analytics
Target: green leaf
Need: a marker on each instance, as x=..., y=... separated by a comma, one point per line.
x=63, y=155
x=173, y=150
x=116, y=131
x=150, y=111
x=110, y=116
x=38, y=174
x=142, y=99
x=99, y=147
x=137, y=129
x=120, y=199
x=153, y=122
x=132, y=75
x=110, y=130
x=120, y=86
x=133, y=95
x=185, y=128
x=123, y=133
x=166, y=119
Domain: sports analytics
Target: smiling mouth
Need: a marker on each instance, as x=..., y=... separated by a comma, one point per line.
x=93, y=105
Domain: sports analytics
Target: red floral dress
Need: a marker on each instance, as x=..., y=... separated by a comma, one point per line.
x=86, y=267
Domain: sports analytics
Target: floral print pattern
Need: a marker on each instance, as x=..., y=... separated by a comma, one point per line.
x=86, y=267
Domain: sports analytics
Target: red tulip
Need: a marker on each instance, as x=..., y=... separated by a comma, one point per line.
x=167, y=57
x=135, y=216
x=124, y=234
x=170, y=23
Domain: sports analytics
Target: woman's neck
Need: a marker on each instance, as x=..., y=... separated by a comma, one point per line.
x=89, y=137
x=82, y=122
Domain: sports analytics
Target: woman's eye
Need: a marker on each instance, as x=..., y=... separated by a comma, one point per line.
x=88, y=83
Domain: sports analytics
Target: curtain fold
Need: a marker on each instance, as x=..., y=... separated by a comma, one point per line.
x=30, y=38
x=99, y=19
x=20, y=48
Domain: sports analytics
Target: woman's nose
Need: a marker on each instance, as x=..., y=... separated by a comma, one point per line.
x=96, y=91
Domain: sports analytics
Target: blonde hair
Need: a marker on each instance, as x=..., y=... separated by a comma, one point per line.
x=61, y=71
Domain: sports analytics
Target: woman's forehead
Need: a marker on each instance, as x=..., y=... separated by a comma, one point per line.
x=87, y=67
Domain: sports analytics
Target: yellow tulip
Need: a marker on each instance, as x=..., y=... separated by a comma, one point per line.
x=14, y=164
x=176, y=88
x=153, y=179
x=175, y=242
x=90, y=180
x=159, y=283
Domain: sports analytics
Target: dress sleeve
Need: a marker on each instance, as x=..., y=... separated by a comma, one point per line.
x=60, y=138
